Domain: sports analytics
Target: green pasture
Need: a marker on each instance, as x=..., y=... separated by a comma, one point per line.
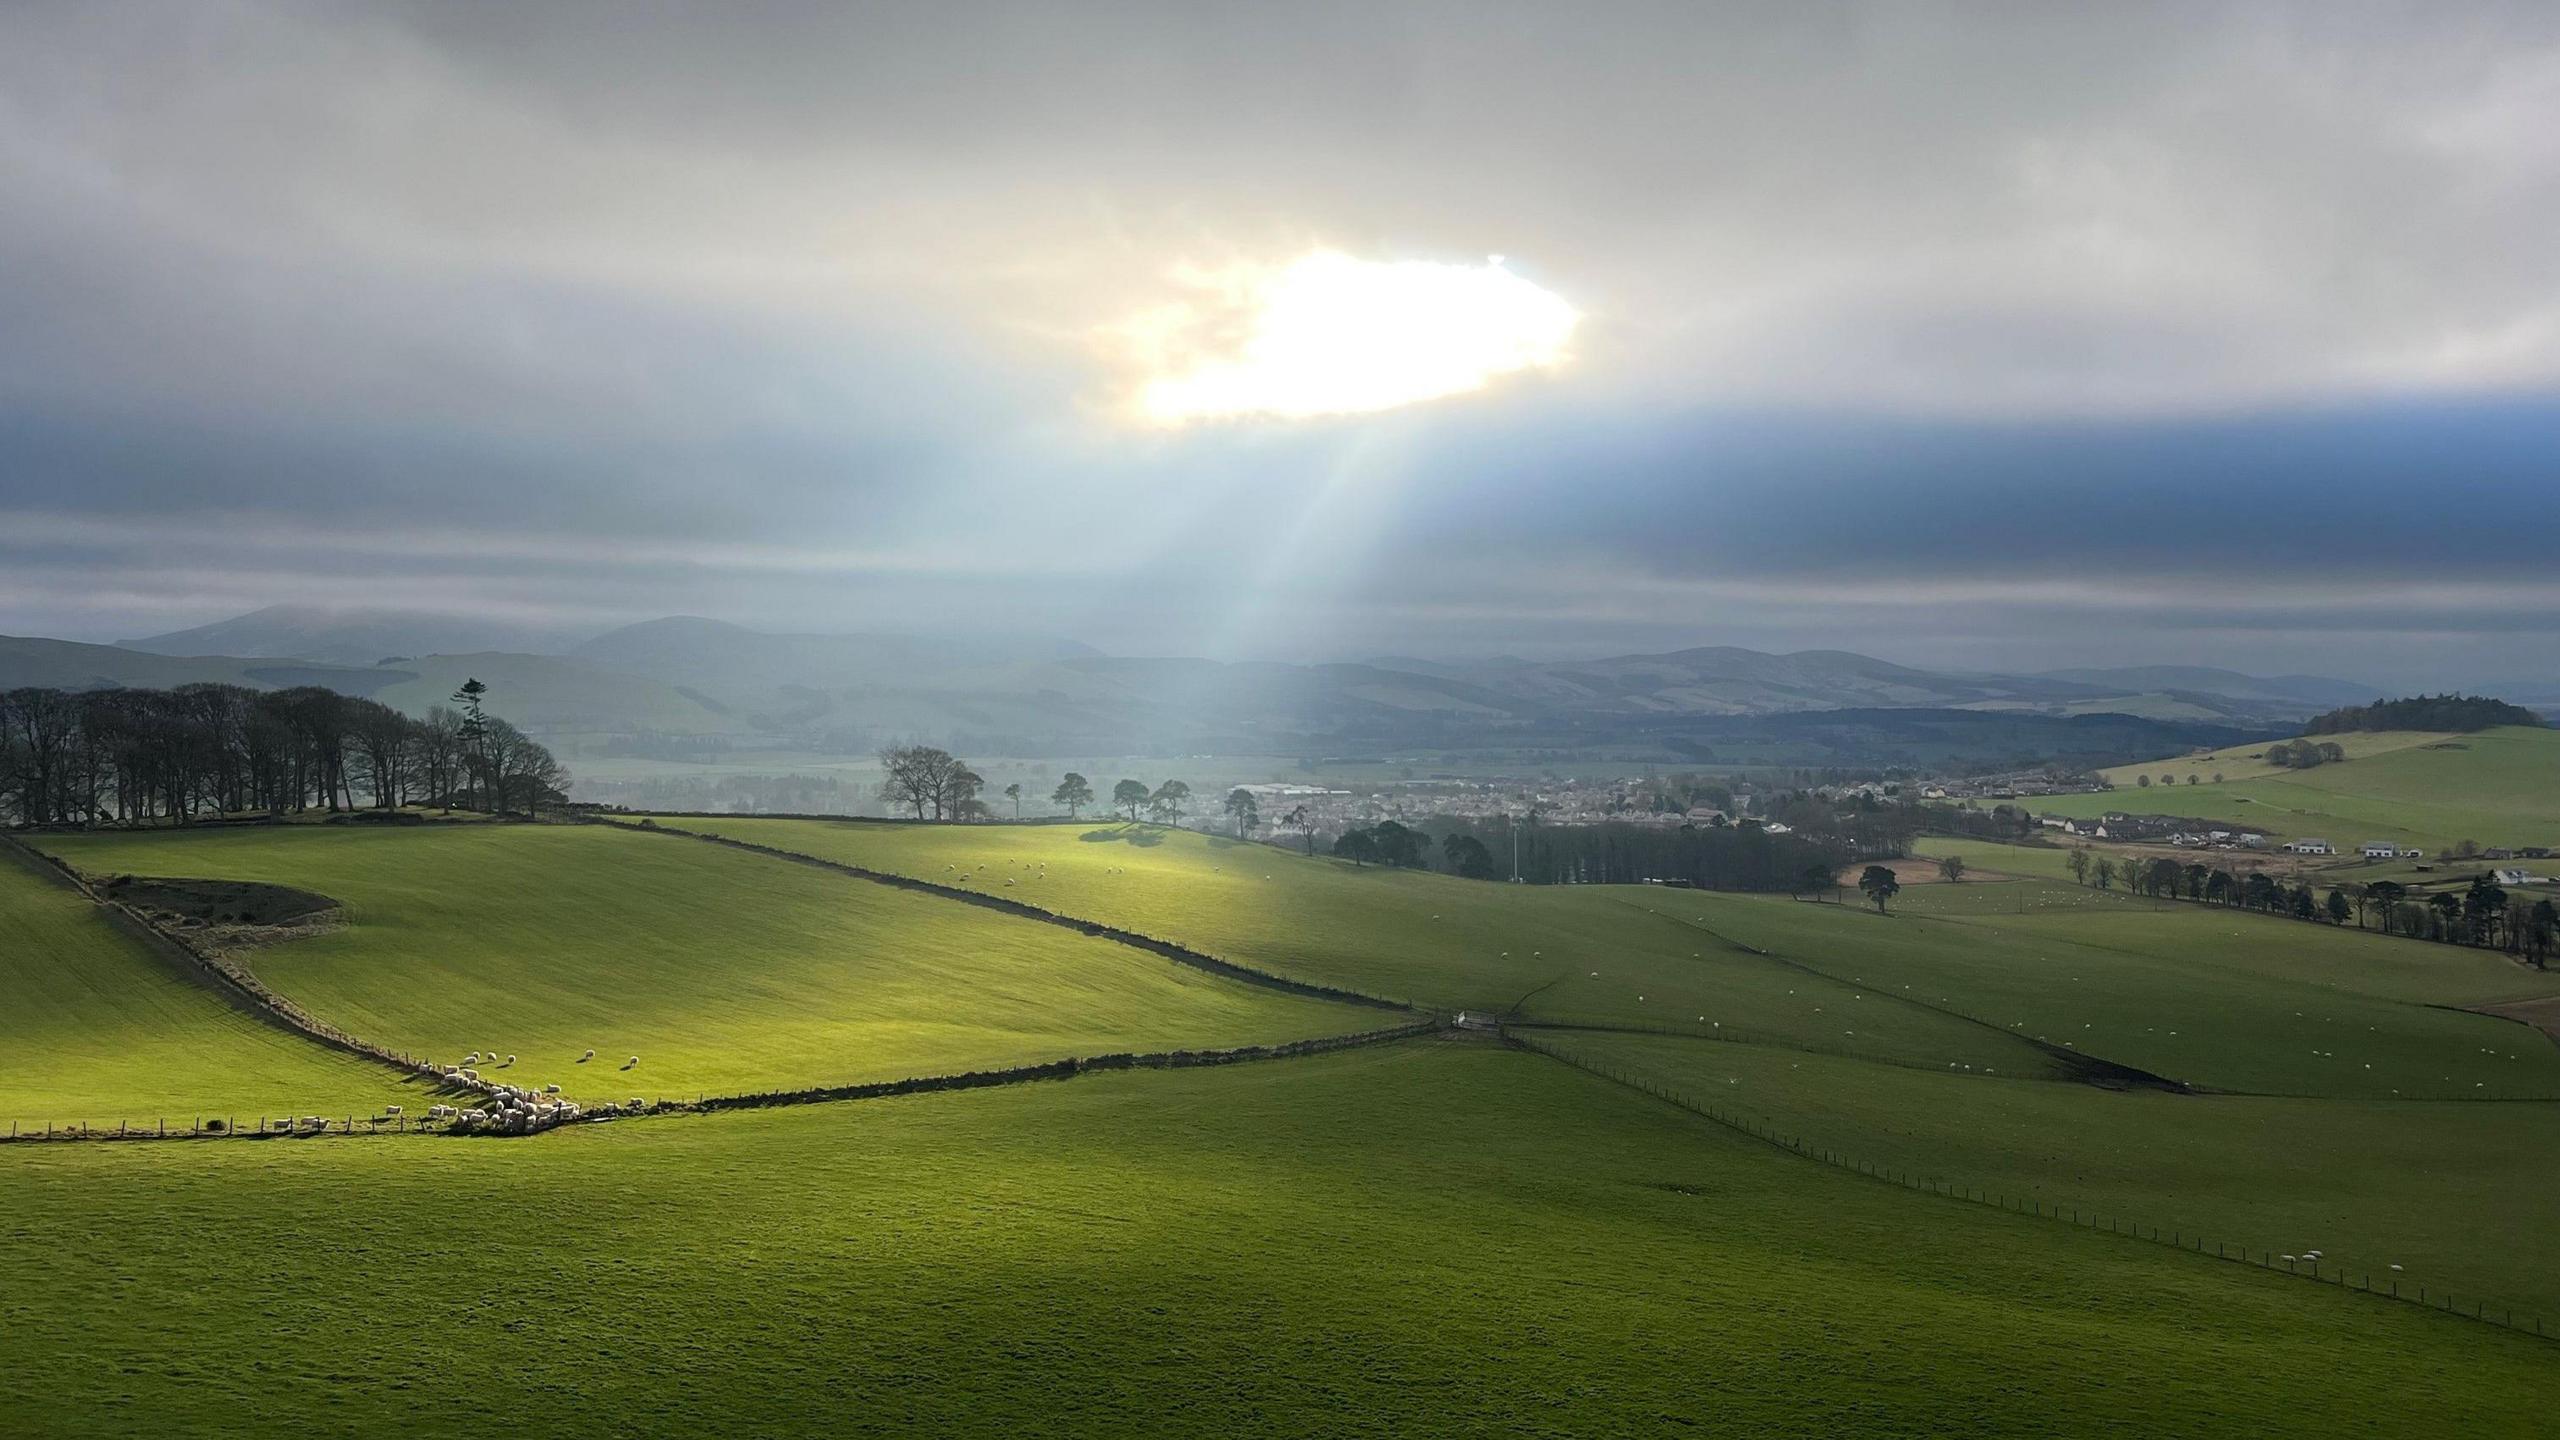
x=2207, y=997
x=723, y=972
x=1430, y=1238
x=97, y=1027
x=2201, y=995
x=2499, y=787
x=1987, y=860
x=2457, y=1195
x=1603, y=955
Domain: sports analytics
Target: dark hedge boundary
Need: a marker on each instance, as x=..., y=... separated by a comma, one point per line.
x=1179, y=954
x=1066, y=1069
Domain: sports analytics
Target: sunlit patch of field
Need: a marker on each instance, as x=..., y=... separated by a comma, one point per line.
x=723, y=972
x=2201, y=996
x=99, y=1028
x=2499, y=787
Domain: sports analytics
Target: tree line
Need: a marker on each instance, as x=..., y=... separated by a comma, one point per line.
x=930, y=783
x=133, y=756
x=2423, y=712
x=2483, y=915
x=1707, y=857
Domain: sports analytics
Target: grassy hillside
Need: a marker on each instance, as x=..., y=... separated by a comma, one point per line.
x=2201, y=996
x=2499, y=787
x=97, y=1028
x=1428, y=1239
x=725, y=972
x=2205, y=997
x=2453, y=1193
x=1622, y=956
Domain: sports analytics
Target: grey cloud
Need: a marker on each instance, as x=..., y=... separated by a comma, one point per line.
x=787, y=313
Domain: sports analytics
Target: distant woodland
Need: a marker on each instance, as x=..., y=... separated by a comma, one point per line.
x=2423, y=712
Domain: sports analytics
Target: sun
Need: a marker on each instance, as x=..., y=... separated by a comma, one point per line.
x=1328, y=334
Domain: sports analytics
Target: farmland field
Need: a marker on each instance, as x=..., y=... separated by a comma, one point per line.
x=1443, y=1234
x=2197, y=995
x=98, y=1028
x=724, y=972
x=2499, y=787
x=2452, y=1193
x=1608, y=955
x=1435, y=1237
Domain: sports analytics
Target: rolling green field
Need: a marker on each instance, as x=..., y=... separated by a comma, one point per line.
x=1431, y=1238
x=2499, y=787
x=2200, y=996
x=1434, y=1236
x=98, y=1028
x=2455, y=1194
x=724, y=972
x=1613, y=955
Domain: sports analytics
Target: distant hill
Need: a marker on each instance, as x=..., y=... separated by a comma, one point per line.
x=2319, y=691
x=546, y=694
x=353, y=636
x=1726, y=680
x=696, y=651
x=70, y=665
x=689, y=676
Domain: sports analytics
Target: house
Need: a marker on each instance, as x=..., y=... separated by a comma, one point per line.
x=2380, y=850
x=2252, y=840
x=2307, y=846
x=2515, y=877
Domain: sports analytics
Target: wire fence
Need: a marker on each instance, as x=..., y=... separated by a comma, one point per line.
x=2307, y=1268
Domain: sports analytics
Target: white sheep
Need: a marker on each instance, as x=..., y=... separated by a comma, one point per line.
x=390, y=1109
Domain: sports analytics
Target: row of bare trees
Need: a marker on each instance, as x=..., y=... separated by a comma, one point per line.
x=89, y=757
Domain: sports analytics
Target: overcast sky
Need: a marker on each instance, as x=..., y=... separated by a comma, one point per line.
x=1991, y=336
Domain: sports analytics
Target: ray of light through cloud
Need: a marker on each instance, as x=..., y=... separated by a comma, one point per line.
x=1329, y=334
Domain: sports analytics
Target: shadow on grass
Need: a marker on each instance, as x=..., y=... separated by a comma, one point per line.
x=1139, y=835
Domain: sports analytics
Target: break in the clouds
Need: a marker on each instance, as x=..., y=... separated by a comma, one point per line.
x=1327, y=334
x=1967, y=334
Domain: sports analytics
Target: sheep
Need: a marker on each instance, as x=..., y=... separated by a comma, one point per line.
x=471, y=1059
x=550, y=1089
x=639, y=1104
x=590, y=1055
x=510, y=1061
x=390, y=1109
x=634, y=1060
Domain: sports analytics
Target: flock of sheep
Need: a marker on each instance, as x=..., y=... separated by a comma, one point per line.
x=514, y=1109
